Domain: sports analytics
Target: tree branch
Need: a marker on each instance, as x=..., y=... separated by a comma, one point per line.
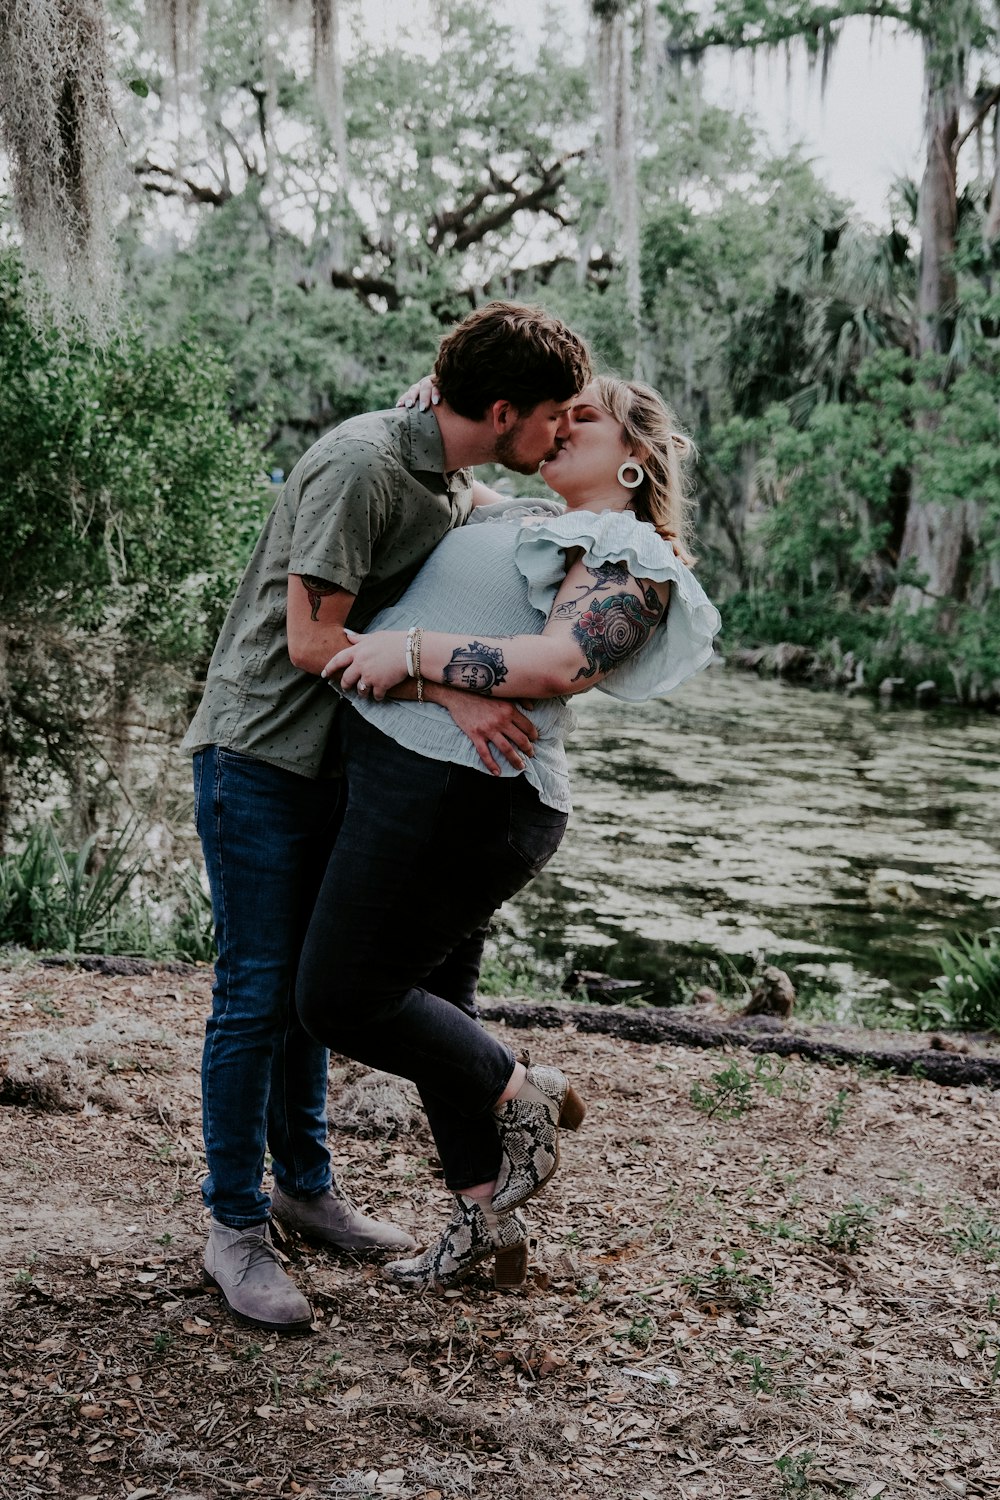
x=742, y=26
x=989, y=103
x=363, y=285
x=177, y=185
x=462, y=223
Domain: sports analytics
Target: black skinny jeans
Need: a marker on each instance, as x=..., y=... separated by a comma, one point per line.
x=425, y=854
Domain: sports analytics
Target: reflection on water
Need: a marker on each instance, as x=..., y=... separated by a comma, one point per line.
x=837, y=837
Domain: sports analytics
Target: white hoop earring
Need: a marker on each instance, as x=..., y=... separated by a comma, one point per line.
x=631, y=484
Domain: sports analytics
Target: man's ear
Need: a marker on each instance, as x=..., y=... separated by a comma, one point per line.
x=503, y=415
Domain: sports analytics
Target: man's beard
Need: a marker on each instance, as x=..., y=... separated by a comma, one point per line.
x=506, y=453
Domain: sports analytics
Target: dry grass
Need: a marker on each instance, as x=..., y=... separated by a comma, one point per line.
x=843, y=1353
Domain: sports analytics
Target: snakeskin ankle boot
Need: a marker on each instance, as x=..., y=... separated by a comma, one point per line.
x=529, y=1134
x=471, y=1235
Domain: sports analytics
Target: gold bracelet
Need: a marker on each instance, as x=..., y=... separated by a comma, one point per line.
x=417, y=634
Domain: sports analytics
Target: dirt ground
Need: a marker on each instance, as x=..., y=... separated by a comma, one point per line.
x=802, y=1299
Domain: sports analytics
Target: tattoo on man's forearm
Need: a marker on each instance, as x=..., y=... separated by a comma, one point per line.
x=317, y=589
x=476, y=667
x=613, y=629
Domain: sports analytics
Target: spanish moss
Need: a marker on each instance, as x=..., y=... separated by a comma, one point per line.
x=614, y=63
x=58, y=132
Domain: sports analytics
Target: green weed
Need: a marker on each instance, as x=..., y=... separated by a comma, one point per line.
x=836, y=1111
x=794, y=1472
x=728, y=1285
x=777, y=1229
x=730, y=1093
x=761, y=1377
x=850, y=1229
x=967, y=991
x=978, y=1234
x=641, y=1331
x=51, y=897
x=83, y=901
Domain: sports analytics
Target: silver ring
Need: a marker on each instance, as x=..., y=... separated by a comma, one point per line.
x=362, y=689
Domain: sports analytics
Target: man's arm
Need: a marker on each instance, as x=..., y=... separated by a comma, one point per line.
x=317, y=611
x=483, y=495
x=316, y=614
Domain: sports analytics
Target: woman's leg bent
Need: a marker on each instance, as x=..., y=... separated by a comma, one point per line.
x=469, y=1149
x=425, y=853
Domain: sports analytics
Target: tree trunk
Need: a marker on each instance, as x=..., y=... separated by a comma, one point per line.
x=937, y=204
x=6, y=747
x=936, y=537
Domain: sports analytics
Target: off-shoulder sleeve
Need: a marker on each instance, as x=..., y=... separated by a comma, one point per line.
x=676, y=649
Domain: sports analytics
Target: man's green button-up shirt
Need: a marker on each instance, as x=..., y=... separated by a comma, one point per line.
x=361, y=509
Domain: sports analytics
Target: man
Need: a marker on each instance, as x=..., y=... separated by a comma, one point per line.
x=359, y=513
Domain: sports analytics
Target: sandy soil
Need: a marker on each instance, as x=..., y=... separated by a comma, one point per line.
x=802, y=1299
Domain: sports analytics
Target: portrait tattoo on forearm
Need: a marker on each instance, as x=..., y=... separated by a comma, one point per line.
x=613, y=629
x=475, y=667
x=317, y=589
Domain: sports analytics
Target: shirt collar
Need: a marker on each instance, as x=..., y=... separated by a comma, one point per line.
x=426, y=443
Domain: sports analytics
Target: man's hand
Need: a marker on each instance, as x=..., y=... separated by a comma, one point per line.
x=490, y=723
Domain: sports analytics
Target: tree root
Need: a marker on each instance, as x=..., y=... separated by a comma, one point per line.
x=756, y=1034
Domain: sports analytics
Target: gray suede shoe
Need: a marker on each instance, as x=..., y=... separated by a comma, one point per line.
x=333, y=1219
x=244, y=1265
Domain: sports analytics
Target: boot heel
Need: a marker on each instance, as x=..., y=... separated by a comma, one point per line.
x=510, y=1267
x=572, y=1110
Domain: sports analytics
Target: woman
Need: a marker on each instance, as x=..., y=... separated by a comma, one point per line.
x=553, y=602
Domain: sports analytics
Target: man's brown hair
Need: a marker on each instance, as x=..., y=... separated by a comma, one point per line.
x=508, y=352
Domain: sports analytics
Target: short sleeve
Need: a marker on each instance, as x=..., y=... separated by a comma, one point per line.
x=679, y=647
x=345, y=500
x=512, y=508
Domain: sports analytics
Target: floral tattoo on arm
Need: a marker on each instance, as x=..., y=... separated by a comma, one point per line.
x=613, y=630
x=317, y=590
x=610, y=629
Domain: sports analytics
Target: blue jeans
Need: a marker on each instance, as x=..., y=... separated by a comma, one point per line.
x=425, y=853
x=266, y=835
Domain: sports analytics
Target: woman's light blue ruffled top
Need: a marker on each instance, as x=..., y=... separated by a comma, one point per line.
x=499, y=575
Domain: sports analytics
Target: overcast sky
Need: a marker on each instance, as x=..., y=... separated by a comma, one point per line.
x=861, y=136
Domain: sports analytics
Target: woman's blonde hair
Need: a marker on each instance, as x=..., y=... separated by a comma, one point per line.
x=649, y=430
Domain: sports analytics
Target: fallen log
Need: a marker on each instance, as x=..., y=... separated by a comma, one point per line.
x=755, y=1034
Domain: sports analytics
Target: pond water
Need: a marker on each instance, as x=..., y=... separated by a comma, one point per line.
x=742, y=820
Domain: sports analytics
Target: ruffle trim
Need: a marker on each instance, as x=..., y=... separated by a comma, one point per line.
x=676, y=649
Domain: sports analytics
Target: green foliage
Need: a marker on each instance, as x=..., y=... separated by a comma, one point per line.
x=128, y=500
x=761, y=1378
x=850, y=1229
x=836, y=1111
x=70, y=902
x=98, y=899
x=124, y=480
x=967, y=991
x=979, y=1234
x=794, y=1472
x=728, y=1285
x=832, y=498
x=731, y=1091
